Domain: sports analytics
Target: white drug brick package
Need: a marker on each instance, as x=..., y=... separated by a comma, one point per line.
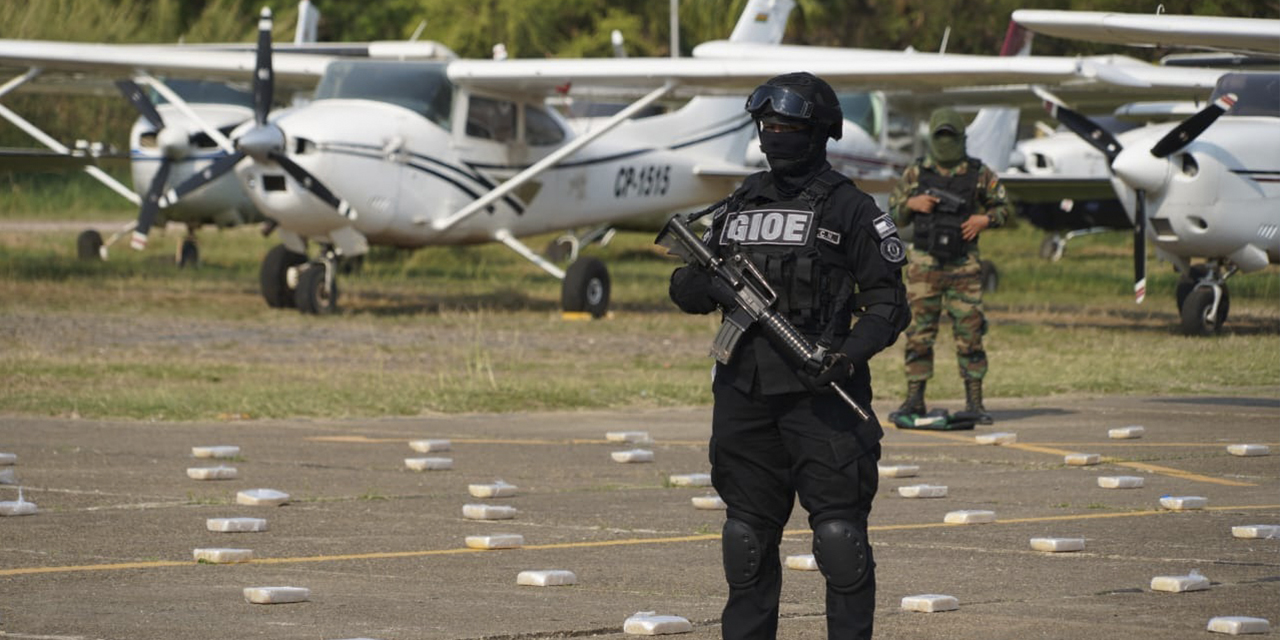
x=1248, y=450
x=276, y=595
x=930, y=603
x=1125, y=433
x=923, y=491
x=488, y=512
x=1082, y=459
x=219, y=451
x=498, y=489
x=898, y=470
x=1239, y=625
x=1057, y=545
x=803, y=562
x=996, y=438
x=632, y=437
x=222, y=556
x=1256, y=531
x=1178, y=584
x=546, y=578
x=691, y=480
x=634, y=455
x=212, y=473
x=496, y=541
x=711, y=503
x=262, y=497
x=235, y=525
x=970, y=516
x=428, y=464
x=649, y=623
x=1120, y=482
x=1184, y=503
x=430, y=446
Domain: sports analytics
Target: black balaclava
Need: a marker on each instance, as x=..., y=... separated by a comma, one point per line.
x=796, y=157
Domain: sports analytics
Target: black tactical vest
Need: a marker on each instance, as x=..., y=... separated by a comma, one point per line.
x=938, y=233
x=801, y=259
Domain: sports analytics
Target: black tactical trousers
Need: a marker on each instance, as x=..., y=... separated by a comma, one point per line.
x=764, y=451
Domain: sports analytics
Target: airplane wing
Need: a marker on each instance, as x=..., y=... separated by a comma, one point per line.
x=906, y=72
x=78, y=67
x=1252, y=35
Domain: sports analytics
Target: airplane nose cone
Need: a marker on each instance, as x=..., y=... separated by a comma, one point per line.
x=259, y=142
x=1141, y=170
x=174, y=144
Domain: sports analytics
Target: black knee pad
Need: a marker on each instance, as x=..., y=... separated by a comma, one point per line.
x=744, y=553
x=841, y=551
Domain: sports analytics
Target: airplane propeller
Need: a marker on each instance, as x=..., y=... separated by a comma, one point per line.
x=265, y=141
x=1143, y=172
x=174, y=145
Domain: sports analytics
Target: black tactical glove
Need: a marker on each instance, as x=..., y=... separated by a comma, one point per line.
x=836, y=368
x=695, y=291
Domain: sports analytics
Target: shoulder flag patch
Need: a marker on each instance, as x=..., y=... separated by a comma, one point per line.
x=884, y=226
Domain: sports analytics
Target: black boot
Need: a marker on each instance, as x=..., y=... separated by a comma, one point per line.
x=914, y=404
x=973, y=401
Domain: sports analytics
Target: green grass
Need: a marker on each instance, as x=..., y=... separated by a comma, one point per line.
x=463, y=329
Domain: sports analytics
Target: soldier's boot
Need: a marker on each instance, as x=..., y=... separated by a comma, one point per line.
x=914, y=403
x=973, y=401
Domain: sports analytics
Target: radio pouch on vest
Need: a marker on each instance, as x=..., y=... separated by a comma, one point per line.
x=939, y=235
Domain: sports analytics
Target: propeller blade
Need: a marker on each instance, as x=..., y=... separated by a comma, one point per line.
x=150, y=206
x=1191, y=128
x=1087, y=129
x=313, y=185
x=210, y=173
x=1140, y=246
x=263, y=80
x=138, y=98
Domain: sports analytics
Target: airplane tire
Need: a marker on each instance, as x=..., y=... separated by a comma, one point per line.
x=189, y=254
x=586, y=287
x=1187, y=283
x=990, y=276
x=89, y=245
x=1195, y=312
x=274, y=276
x=1049, y=248
x=312, y=297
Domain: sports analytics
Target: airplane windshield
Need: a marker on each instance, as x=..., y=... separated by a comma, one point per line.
x=1258, y=94
x=860, y=109
x=421, y=87
x=203, y=92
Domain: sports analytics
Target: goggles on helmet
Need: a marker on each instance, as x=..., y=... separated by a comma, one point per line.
x=786, y=103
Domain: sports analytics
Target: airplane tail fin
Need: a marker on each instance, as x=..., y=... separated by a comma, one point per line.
x=308, y=21
x=994, y=131
x=762, y=21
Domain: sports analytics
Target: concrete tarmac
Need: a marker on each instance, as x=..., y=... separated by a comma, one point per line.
x=109, y=554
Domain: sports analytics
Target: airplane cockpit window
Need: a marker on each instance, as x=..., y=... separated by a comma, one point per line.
x=859, y=108
x=421, y=87
x=540, y=129
x=491, y=119
x=1257, y=94
x=204, y=92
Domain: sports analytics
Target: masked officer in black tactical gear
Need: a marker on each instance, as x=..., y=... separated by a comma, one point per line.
x=832, y=257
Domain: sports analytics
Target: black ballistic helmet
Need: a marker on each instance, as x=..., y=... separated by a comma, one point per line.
x=798, y=96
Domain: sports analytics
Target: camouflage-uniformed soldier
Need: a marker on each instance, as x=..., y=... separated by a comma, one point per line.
x=951, y=199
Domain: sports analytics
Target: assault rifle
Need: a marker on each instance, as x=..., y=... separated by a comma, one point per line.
x=753, y=301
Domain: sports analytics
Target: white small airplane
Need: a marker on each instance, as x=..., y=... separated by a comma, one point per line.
x=1207, y=187
x=422, y=153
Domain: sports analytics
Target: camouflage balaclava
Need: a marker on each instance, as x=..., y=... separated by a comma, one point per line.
x=946, y=137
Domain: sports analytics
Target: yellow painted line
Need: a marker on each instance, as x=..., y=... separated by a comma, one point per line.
x=368, y=440
x=1143, y=466
x=707, y=537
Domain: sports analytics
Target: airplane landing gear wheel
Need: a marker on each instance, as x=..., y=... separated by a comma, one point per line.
x=189, y=254
x=990, y=276
x=274, y=276
x=1188, y=282
x=89, y=245
x=317, y=292
x=1052, y=248
x=586, y=288
x=1196, y=319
